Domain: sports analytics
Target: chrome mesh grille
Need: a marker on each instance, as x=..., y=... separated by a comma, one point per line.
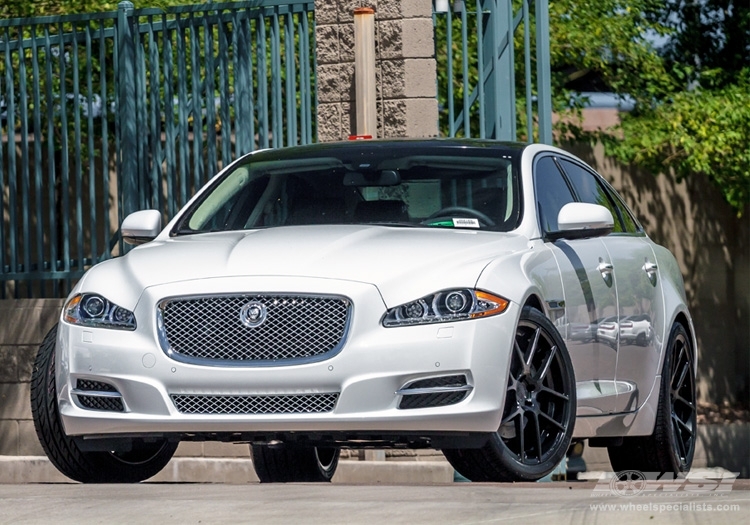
x=274, y=404
x=443, y=381
x=295, y=327
x=111, y=404
x=88, y=384
x=440, y=399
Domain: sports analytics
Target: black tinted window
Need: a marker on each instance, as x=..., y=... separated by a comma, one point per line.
x=429, y=189
x=552, y=193
x=631, y=225
x=590, y=190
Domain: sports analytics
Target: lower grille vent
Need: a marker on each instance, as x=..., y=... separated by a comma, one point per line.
x=96, y=395
x=87, y=384
x=431, y=400
x=111, y=404
x=434, y=392
x=274, y=404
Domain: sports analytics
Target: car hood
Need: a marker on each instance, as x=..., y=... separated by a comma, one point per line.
x=399, y=261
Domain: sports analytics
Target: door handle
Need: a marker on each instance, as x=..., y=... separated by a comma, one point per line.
x=650, y=269
x=606, y=269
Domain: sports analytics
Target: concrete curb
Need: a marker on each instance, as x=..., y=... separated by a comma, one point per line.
x=38, y=469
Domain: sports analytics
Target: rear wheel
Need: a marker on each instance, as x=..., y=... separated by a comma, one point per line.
x=144, y=460
x=672, y=445
x=286, y=463
x=539, y=414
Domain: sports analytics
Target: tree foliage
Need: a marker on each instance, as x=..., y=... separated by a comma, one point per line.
x=25, y=8
x=696, y=121
x=696, y=131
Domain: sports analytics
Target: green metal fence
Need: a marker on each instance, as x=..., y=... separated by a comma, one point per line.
x=104, y=114
x=493, y=79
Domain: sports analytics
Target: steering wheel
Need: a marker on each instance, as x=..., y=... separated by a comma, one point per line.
x=458, y=210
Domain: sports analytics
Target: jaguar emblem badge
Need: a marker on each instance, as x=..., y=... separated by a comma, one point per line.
x=253, y=314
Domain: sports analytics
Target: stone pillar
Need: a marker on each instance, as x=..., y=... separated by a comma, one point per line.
x=405, y=68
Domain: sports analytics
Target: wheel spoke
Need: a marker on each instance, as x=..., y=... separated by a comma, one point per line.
x=678, y=437
x=683, y=374
x=538, y=432
x=547, y=363
x=684, y=401
x=677, y=358
x=519, y=432
x=519, y=354
x=680, y=423
x=560, y=395
x=556, y=423
x=509, y=417
x=534, y=346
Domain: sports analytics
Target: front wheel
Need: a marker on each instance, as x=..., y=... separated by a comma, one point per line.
x=144, y=459
x=539, y=414
x=670, y=448
x=287, y=463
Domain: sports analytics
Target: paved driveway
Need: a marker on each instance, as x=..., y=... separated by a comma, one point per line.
x=459, y=503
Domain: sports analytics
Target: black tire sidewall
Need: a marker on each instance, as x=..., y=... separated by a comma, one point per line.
x=289, y=463
x=63, y=451
x=665, y=401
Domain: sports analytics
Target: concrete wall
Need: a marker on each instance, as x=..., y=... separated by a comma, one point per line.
x=405, y=68
x=23, y=324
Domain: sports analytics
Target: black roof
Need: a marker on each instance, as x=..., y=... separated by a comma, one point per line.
x=383, y=148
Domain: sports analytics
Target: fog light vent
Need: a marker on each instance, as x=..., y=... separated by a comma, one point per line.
x=434, y=392
x=97, y=395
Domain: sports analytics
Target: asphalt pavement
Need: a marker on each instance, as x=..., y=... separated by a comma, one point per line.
x=453, y=503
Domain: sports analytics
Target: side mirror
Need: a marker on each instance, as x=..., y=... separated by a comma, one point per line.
x=578, y=220
x=141, y=227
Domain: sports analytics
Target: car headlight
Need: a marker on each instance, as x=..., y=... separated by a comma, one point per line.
x=446, y=306
x=91, y=309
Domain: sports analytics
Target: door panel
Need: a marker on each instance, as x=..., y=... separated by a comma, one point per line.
x=590, y=297
x=641, y=318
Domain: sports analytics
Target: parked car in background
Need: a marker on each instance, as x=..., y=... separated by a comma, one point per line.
x=395, y=293
x=636, y=329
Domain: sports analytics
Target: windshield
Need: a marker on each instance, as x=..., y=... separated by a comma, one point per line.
x=434, y=190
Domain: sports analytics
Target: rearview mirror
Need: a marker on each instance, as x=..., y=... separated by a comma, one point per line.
x=381, y=178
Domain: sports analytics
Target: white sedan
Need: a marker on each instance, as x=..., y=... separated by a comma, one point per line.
x=403, y=293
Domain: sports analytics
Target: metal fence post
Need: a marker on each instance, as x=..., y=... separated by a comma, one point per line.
x=543, y=76
x=127, y=165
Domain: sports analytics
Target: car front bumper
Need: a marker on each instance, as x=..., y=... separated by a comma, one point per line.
x=373, y=365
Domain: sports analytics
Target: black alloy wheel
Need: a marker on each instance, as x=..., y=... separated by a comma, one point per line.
x=539, y=412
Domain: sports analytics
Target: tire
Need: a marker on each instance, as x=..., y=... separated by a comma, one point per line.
x=143, y=461
x=285, y=463
x=539, y=414
x=670, y=448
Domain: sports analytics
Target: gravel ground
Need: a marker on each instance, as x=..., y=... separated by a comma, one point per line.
x=710, y=413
